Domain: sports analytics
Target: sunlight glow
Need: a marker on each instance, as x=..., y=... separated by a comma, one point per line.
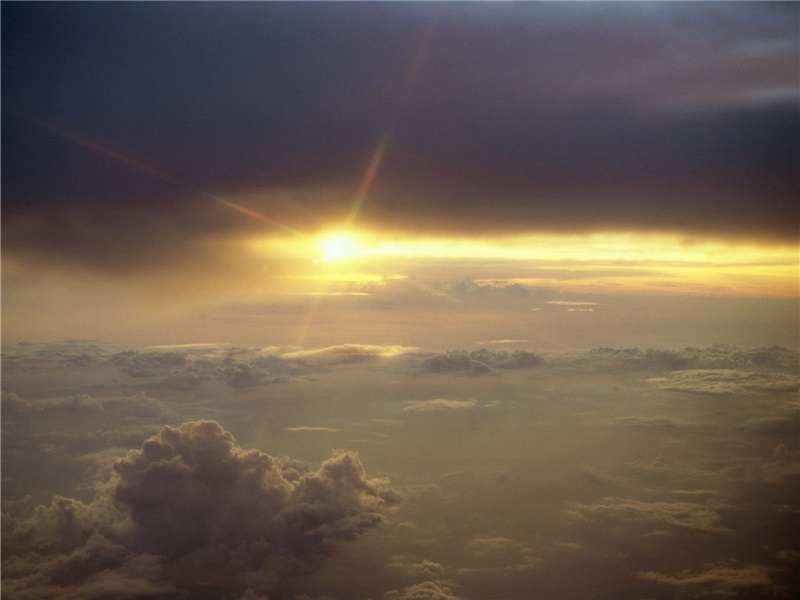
x=603, y=261
x=338, y=246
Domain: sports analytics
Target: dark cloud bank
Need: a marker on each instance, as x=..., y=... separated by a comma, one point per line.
x=520, y=116
x=192, y=515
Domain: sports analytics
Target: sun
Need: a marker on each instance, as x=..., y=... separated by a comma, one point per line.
x=338, y=246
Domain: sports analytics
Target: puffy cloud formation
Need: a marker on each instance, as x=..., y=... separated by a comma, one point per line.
x=190, y=514
x=427, y=590
x=480, y=361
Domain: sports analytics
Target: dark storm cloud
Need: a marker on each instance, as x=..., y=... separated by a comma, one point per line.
x=522, y=116
x=192, y=515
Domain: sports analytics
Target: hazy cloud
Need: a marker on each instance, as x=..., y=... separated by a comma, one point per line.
x=724, y=579
x=716, y=356
x=724, y=382
x=310, y=428
x=437, y=405
x=350, y=352
x=478, y=362
x=685, y=515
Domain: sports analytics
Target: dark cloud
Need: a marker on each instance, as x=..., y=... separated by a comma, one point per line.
x=529, y=117
x=191, y=514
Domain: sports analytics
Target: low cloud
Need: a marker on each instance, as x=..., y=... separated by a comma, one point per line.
x=190, y=514
x=137, y=405
x=427, y=590
x=716, y=356
x=309, y=428
x=437, y=405
x=424, y=568
x=479, y=362
x=351, y=352
x=572, y=303
x=722, y=579
x=683, y=515
x=724, y=382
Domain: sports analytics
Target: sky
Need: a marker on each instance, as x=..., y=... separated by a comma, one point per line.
x=400, y=300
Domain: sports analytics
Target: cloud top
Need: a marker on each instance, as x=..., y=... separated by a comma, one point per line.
x=190, y=510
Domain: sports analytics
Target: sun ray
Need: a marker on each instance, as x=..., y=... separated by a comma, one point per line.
x=401, y=100
x=155, y=172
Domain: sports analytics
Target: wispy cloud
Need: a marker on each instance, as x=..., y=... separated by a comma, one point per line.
x=572, y=303
x=437, y=404
x=310, y=428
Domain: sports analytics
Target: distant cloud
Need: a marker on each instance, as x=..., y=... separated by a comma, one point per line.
x=427, y=590
x=479, y=362
x=716, y=356
x=684, y=515
x=724, y=382
x=572, y=303
x=309, y=428
x=723, y=579
x=424, y=568
x=351, y=351
x=196, y=346
x=137, y=405
x=191, y=503
x=504, y=342
x=437, y=405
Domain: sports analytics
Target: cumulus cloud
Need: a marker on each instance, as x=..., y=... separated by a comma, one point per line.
x=191, y=514
x=480, y=361
x=427, y=590
x=351, y=352
x=437, y=405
